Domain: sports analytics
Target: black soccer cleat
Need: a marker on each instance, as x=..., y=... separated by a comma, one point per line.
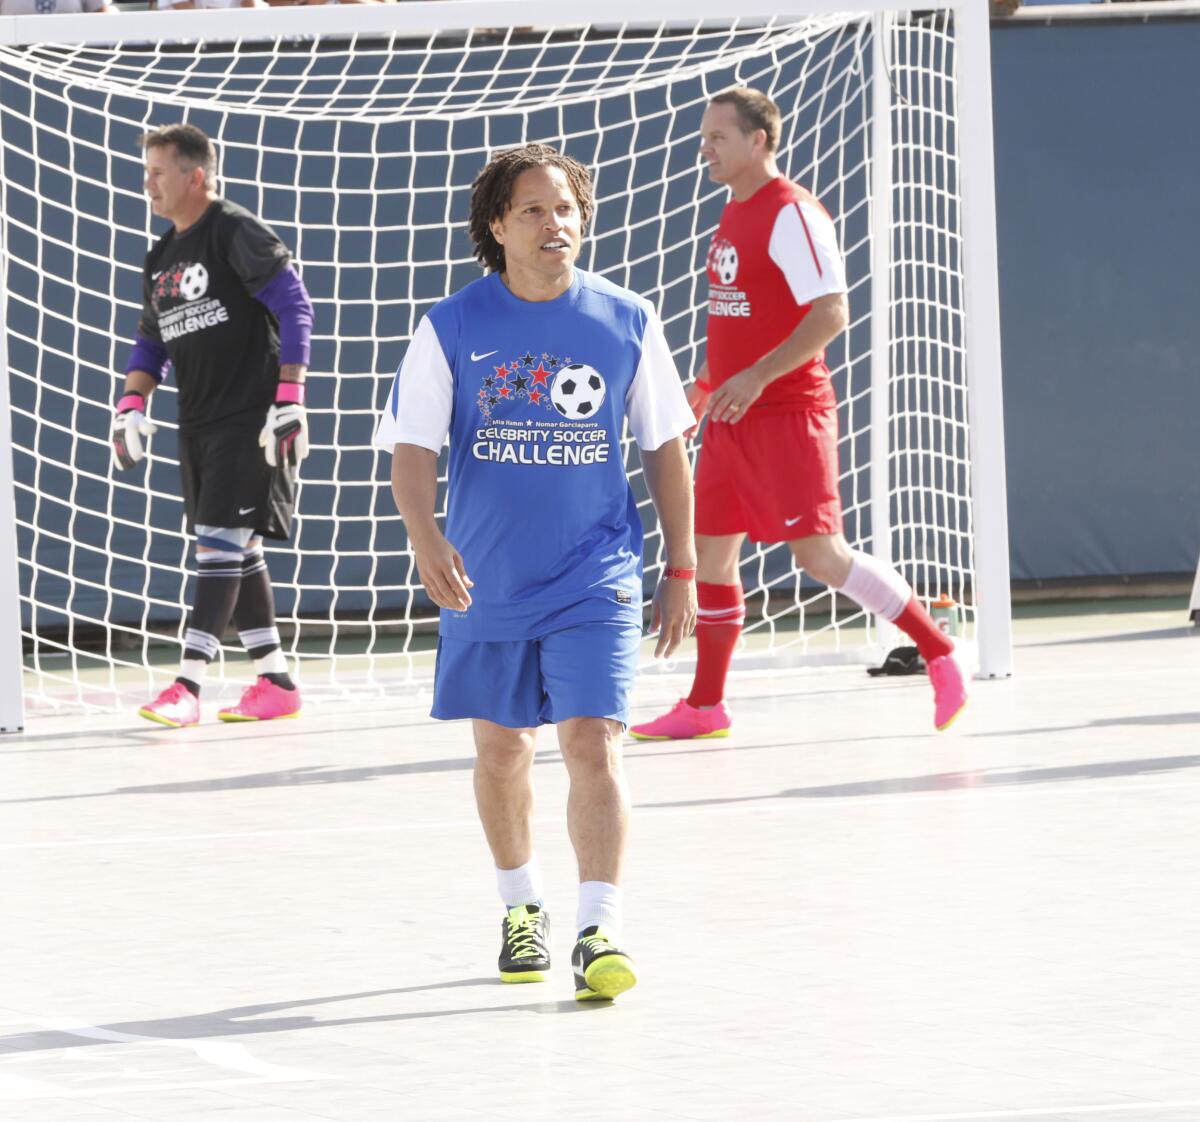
x=601, y=970
x=525, y=944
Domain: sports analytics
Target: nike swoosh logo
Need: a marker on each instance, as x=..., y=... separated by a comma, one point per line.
x=486, y=354
x=245, y=510
x=155, y=276
x=792, y=521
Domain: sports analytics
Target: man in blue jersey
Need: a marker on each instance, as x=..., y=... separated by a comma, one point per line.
x=532, y=372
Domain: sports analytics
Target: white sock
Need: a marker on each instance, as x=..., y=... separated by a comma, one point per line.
x=522, y=885
x=599, y=906
x=876, y=586
x=193, y=669
x=273, y=662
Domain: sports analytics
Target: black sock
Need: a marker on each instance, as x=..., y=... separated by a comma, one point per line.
x=217, y=582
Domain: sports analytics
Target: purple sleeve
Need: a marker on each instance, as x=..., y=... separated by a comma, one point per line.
x=149, y=355
x=286, y=298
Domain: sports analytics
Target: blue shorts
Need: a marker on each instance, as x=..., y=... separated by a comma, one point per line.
x=581, y=671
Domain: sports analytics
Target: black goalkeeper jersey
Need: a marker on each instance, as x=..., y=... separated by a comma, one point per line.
x=198, y=300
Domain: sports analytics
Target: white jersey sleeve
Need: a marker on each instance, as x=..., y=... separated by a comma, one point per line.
x=656, y=405
x=804, y=245
x=421, y=399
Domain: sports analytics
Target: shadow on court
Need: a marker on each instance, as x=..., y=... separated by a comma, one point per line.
x=1182, y=632
x=147, y=735
x=252, y=1020
x=289, y=777
x=960, y=780
x=319, y=775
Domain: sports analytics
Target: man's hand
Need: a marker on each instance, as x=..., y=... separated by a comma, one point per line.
x=285, y=435
x=697, y=398
x=129, y=426
x=443, y=573
x=673, y=614
x=732, y=399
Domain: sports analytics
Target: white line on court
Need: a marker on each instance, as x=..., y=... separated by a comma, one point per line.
x=10, y=1088
x=217, y=1053
x=1036, y=1112
x=19, y=1087
x=755, y=804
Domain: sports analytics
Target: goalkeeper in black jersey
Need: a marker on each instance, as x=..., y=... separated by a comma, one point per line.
x=223, y=304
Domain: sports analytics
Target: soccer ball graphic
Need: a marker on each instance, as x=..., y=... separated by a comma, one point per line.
x=194, y=282
x=726, y=263
x=577, y=392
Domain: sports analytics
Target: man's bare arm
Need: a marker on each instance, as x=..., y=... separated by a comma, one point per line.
x=669, y=481
x=414, y=487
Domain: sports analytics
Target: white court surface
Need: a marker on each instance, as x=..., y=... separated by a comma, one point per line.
x=838, y=914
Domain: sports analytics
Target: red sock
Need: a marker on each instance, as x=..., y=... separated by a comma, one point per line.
x=718, y=627
x=918, y=624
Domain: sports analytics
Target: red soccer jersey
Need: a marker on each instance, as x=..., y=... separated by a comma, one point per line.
x=771, y=257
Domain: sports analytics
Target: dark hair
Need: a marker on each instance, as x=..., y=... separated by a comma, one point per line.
x=491, y=194
x=754, y=111
x=193, y=149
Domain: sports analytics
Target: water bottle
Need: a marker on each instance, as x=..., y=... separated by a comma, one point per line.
x=946, y=615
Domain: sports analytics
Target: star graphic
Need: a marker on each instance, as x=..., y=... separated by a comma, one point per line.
x=493, y=400
x=535, y=396
x=527, y=358
x=502, y=371
x=504, y=391
x=521, y=382
x=540, y=376
x=489, y=382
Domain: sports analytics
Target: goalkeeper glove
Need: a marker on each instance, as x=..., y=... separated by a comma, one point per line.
x=285, y=435
x=129, y=426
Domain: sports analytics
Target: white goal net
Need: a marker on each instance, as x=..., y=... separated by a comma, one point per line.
x=359, y=150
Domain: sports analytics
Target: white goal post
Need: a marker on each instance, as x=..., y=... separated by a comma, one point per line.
x=356, y=132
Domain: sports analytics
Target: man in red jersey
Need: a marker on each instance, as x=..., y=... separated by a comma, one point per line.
x=769, y=466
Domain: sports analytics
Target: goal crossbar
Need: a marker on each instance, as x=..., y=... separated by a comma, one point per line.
x=421, y=17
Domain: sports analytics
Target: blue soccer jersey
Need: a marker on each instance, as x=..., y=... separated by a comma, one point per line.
x=534, y=397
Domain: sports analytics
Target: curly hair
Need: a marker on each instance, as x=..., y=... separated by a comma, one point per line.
x=492, y=191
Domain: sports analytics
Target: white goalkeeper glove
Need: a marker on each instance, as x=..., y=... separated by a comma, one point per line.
x=129, y=426
x=285, y=435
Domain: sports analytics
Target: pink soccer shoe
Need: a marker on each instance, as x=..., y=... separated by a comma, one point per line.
x=949, y=690
x=175, y=707
x=685, y=722
x=263, y=701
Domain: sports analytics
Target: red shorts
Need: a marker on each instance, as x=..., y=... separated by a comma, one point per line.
x=773, y=476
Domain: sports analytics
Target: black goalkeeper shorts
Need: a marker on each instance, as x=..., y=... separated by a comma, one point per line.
x=227, y=481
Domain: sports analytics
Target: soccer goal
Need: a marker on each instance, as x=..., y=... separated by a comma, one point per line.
x=356, y=133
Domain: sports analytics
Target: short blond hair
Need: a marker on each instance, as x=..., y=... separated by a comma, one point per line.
x=754, y=111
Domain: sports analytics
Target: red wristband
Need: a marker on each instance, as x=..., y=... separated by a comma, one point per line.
x=290, y=392
x=131, y=401
x=679, y=574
